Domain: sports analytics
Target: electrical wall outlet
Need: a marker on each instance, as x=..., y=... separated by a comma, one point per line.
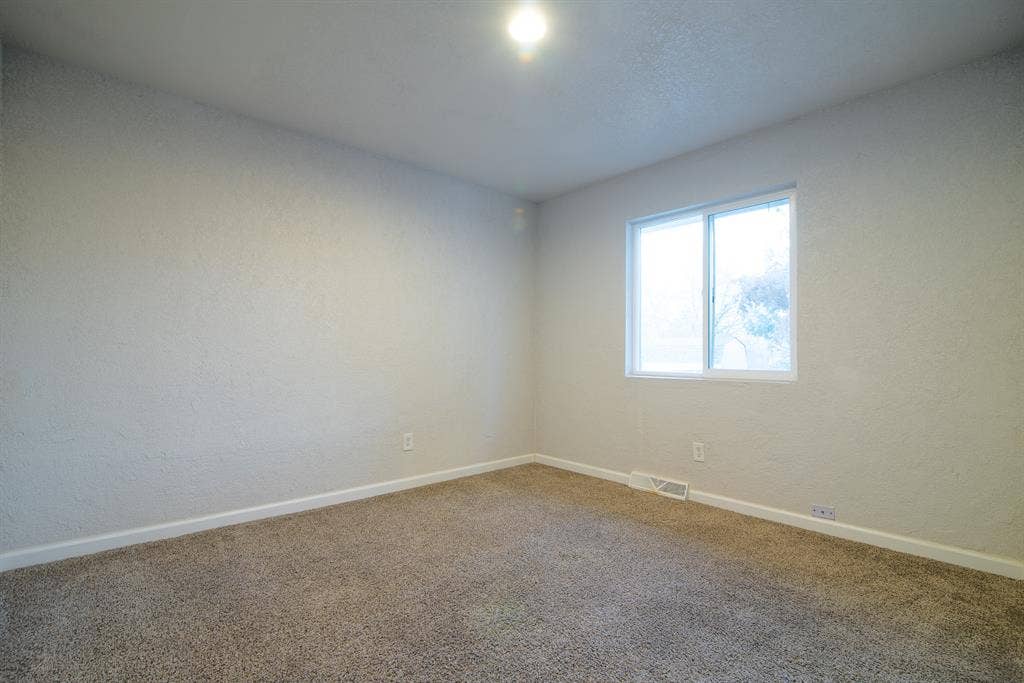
x=823, y=511
x=698, y=451
x=407, y=442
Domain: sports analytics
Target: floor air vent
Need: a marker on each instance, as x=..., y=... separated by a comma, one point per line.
x=664, y=487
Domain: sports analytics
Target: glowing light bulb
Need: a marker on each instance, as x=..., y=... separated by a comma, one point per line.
x=528, y=26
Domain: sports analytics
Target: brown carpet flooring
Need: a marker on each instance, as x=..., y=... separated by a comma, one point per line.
x=524, y=574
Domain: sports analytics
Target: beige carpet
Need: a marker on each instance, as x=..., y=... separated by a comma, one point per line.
x=523, y=574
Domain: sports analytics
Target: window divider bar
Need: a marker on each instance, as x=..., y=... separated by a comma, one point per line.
x=706, y=293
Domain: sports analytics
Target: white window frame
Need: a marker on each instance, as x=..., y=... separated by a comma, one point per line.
x=633, y=229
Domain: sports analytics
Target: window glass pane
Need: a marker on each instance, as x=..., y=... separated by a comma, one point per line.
x=750, y=288
x=671, y=268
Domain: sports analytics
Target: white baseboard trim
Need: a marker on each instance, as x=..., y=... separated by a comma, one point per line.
x=93, y=544
x=993, y=564
x=580, y=468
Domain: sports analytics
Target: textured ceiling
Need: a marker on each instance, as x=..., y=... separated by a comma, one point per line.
x=615, y=86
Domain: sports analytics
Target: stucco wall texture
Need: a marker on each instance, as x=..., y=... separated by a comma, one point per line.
x=907, y=414
x=202, y=313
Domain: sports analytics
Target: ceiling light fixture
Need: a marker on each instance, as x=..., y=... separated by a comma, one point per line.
x=528, y=26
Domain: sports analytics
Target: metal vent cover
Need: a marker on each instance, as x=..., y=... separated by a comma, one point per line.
x=659, y=485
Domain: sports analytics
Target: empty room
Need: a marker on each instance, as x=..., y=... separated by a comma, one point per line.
x=416, y=340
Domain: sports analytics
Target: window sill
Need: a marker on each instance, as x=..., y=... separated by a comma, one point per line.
x=781, y=378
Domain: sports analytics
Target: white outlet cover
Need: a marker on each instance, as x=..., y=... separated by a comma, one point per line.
x=407, y=442
x=823, y=511
x=698, y=451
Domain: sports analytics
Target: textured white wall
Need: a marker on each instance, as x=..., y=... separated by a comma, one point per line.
x=908, y=412
x=199, y=312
